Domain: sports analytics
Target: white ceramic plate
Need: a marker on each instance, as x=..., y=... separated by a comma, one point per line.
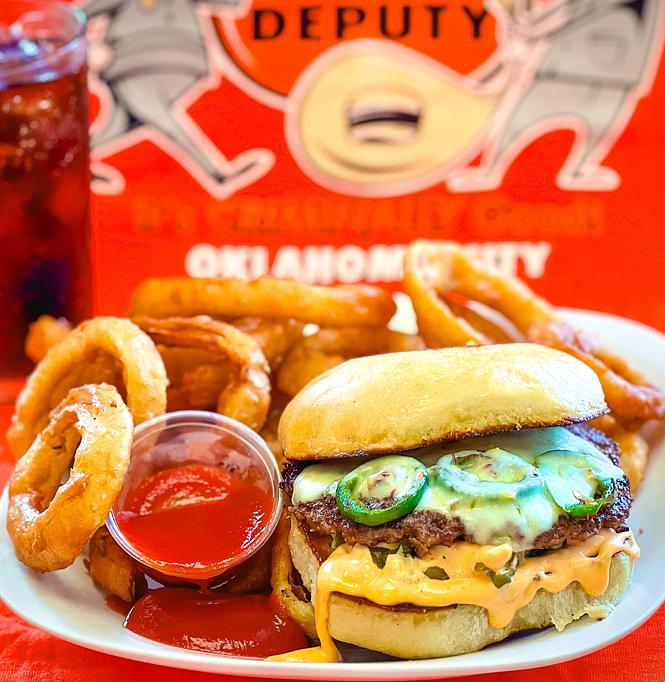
x=67, y=604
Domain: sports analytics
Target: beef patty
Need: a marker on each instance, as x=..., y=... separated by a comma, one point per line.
x=425, y=529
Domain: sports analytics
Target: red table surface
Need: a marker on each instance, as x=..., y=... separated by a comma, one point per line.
x=29, y=655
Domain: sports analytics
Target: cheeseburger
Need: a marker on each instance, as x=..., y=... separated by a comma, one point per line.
x=442, y=500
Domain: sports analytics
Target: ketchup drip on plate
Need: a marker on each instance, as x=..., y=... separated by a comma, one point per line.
x=118, y=605
x=198, y=516
x=195, y=515
x=242, y=625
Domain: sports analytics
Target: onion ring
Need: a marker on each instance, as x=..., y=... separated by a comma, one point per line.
x=250, y=577
x=44, y=333
x=328, y=348
x=113, y=570
x=100, y=368
x=435, y=270
x=70, y=362
x=196, y=377
x=464, y=309
x=49, y=523
x=289, y=595
x=274, y=337
x=437, y=274
x=634, y=456
x=267, y=298
x=632, y=399
x=634, y=449
x=269, y=431
x=246, y=397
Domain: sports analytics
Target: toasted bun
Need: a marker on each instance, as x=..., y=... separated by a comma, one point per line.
x=400, y=401
x=433, y=633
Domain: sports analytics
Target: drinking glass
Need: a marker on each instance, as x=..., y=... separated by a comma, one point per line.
x=45, y=236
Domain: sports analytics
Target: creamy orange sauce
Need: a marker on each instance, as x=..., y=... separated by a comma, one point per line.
x=350, y=571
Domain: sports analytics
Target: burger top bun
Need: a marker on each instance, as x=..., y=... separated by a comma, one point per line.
x=401, y=401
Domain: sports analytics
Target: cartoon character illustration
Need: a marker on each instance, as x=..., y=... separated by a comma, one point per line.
x=158, y=65
x=594, y=65
x=370, y=116
x=374, y=118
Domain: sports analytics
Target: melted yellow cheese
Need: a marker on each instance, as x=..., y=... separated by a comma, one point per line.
x=351, y=571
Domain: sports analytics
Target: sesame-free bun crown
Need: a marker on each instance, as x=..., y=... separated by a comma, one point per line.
x=401, y=401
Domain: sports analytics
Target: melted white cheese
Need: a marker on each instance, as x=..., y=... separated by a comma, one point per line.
x=318, y=480
x=491, y=522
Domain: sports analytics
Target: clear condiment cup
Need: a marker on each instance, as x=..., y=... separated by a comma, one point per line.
x=197, y=437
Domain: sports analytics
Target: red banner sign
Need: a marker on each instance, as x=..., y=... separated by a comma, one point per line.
x=315, y=139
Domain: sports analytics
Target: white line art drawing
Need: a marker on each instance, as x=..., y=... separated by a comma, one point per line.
x=158, y=63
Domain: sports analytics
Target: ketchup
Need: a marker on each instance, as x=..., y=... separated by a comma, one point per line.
x=189, y=523
x=236, y=625
x=195, y=515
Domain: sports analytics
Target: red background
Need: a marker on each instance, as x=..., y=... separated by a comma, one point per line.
x=608, y=247
x=608, y=254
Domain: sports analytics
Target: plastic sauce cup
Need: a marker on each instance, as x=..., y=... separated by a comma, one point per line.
x=178, y=439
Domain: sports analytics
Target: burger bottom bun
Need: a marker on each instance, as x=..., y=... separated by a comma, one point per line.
x=432, y=633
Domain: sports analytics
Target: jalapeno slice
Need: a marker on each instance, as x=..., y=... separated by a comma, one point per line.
x=579, y=484
x=382, y=490
x=495, y=474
